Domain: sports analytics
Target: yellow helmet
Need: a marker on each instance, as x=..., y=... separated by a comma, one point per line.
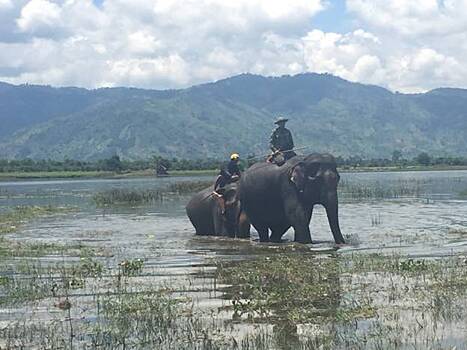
x=234, y=156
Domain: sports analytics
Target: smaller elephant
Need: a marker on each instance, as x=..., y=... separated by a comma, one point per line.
x=213, y=216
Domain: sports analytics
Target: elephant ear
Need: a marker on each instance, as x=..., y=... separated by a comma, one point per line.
x=297, y=176
x=230, y=196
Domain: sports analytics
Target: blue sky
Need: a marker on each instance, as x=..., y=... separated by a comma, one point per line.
x=407, y=46
x=334, y=19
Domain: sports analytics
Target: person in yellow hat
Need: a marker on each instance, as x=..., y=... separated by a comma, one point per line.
x=228, y=174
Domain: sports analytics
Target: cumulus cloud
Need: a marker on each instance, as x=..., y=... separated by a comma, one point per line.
x=424, y=41
x=159, y=44
x=347, y=55
x=425, y=68
x=413, y=18
x=363, y=57
x=170, y=69
x=403, y=45
x=39, y=14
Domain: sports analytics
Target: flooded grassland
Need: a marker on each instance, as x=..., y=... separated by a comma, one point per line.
x=114, y=264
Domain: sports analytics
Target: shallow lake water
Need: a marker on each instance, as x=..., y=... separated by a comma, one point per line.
x=416, y=214
x=418, y=223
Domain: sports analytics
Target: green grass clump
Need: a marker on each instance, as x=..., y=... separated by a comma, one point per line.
x=13, y=219
x=131, y=267
x=130, y=317
x=380, y=190
x=119, y=196
x=207, y=172
x=185, y=187
x=293, y=288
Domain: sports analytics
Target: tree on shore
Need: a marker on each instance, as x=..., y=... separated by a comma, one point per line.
x=114, y=164
x=396, y=156
x=423, y=159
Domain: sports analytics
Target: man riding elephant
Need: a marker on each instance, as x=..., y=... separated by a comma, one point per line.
x=281, y=142
x=277, y=198
x=229, y=173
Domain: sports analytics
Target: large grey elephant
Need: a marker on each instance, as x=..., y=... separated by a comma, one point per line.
x=276, y=198
x=211, y=218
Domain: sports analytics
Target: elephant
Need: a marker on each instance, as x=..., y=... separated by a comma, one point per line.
x=211, y=218
x=276, y=197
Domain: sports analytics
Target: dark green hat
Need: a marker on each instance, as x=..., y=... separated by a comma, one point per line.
x=281, y=120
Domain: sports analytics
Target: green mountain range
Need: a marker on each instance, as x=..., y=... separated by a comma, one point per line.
x=326, y=113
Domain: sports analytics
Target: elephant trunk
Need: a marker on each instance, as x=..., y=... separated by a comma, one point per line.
x=236, y=222
x=331, y=206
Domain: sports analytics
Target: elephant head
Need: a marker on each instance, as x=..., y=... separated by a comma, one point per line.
x=315, y=177
x=235, y=224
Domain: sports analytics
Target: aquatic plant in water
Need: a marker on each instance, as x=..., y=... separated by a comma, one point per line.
x=11, y=220
x=119, y=196
x=186, y=187
x=291, y=297
x=380, y=190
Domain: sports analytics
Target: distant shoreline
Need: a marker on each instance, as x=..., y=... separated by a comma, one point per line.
x=17, y=176
x=36, y=175
x=364, y=169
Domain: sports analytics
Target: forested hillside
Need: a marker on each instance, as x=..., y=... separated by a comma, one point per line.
x=234, y=114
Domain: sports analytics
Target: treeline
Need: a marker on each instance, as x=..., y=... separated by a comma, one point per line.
x=115, y=164
x=423, y=159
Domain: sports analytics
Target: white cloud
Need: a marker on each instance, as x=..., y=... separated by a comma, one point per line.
x=424, y=41
x=347, y=55
x=412, y=18
x=39, y=14
x=403, y=45
x=425, y=68
x=160, y=44
x=143, y=42
x=238, y=12
x=140, y=72
x=363, y=57
x=368, y=68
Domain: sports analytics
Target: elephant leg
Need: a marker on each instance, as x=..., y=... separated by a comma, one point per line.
x=263, y=231
x=299, y=217
x=302, y=233
x=332, y=212
x=277, y=233
x=205, y=229
x=230, y=230
x=243, y=229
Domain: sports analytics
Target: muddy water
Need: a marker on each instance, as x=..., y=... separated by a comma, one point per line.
x=421, y=220
x=425, y=218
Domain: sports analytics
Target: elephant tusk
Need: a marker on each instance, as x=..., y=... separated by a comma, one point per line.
x=312, y=178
